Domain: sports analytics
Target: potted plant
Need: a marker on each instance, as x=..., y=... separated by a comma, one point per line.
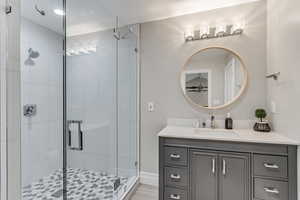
x=262, y=125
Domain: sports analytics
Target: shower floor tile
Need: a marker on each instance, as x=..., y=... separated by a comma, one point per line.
x=81, y=185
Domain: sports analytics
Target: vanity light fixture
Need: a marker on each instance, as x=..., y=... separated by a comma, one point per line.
x=207, y=32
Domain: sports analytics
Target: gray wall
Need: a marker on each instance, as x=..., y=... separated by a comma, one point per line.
x=163, y=53
x=283, y=56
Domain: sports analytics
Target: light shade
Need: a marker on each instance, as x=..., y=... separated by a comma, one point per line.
x=221, y=30
x=238, y=28
x=204, y=32
x=189, y=35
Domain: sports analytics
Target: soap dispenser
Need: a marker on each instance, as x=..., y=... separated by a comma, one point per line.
x=228, y=122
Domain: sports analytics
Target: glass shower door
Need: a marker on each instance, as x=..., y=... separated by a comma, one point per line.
x=101, y=102
x=91, y=93
x=128, y=101
x=91, y=104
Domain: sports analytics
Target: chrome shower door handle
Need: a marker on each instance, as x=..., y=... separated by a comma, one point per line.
x=80, y=135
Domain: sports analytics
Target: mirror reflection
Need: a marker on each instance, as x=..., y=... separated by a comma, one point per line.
x=213, y=78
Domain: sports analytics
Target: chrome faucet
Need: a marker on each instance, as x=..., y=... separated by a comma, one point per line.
x=212, y=122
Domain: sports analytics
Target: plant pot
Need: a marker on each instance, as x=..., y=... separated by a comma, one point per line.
x=262, y=127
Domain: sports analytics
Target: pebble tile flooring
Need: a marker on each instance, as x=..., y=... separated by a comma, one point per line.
x=82, y=185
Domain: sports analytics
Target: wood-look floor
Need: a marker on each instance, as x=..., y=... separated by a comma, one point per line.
x=146, y=192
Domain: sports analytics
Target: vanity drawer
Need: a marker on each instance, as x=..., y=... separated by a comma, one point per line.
x=176, y=177
x=176, y=156
x=271, y=166
x=175, y=194
x=270, y=190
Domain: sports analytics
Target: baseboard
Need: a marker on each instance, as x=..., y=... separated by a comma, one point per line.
x=149, y=178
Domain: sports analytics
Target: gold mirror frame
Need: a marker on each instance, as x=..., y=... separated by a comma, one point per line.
x=241, y=92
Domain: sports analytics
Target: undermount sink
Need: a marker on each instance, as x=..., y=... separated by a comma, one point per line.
x=215, y=132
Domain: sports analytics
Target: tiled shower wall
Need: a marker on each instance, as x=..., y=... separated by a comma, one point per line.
x=41, y=84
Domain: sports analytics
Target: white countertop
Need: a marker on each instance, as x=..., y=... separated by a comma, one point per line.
x=236, y=135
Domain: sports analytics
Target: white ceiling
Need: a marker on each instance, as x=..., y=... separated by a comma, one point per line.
x=84, y=16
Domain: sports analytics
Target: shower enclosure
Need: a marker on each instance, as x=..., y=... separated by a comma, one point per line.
x=80, y=101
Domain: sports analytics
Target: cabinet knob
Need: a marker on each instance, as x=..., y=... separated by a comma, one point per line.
x=175, y=156
x=271, y=190
x=175, y=196
x=224, y=167
x=213, y=166
x=175, y=176
x=271, y=166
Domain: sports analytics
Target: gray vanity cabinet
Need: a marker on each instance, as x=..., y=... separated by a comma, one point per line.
x=204, y=175
x=191, y=169
x=234, y=176
x=215, y=174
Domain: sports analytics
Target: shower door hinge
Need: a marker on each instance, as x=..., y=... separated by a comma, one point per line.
x=8, y=9
x=136, y=50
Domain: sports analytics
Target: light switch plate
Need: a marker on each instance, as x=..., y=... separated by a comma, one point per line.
x=273, y=107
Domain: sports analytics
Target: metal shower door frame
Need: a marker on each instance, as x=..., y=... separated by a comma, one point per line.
x=3, y=135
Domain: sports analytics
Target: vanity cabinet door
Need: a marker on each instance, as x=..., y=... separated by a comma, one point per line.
x=234, y=177
x=204, y=176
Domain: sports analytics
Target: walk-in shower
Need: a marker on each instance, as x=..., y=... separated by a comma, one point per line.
x=83, y=81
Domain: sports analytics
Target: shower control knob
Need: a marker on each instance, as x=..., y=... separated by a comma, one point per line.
x=29, y=110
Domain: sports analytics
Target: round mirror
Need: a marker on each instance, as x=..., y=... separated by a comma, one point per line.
x=213, y=78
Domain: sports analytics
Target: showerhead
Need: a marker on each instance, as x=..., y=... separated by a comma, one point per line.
x=33, y=54
x=41, y=12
